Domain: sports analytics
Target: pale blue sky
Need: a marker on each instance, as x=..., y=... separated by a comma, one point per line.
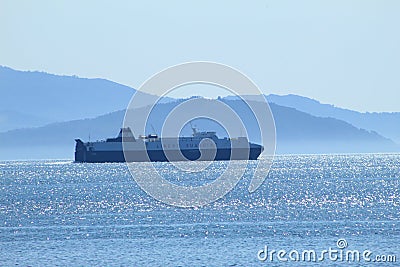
x=342, y=52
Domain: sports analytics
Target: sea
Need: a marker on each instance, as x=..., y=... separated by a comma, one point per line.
x=311, y=210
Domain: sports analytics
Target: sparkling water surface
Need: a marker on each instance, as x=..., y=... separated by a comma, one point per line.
x=60, y=213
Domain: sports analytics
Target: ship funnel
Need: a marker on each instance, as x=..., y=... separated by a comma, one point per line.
x=126, y=134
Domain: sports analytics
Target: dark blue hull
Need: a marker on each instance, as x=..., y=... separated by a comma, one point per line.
x=82, y=155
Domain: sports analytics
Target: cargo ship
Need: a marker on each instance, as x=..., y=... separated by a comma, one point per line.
x=200, y=146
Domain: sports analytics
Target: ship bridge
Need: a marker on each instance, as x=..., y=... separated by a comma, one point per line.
x=203, y=134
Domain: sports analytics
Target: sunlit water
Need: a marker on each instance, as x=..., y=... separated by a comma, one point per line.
x=69, y=214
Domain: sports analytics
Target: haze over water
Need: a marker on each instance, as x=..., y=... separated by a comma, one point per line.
x=63, y=213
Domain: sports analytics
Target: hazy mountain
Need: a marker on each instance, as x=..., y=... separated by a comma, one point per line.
x=60, y=97
x=297, y=132
x=385, y=123
x=31, y=99
x=36, y=98
x=10, y=119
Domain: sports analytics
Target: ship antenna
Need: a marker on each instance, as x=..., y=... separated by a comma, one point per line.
x=152, y=127
x=193, y=129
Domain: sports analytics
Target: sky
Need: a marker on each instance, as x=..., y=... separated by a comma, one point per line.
x=342, y=52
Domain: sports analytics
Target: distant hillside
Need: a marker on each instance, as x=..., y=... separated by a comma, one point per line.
x=386, y=124
x=60, y=97
x=10, y=119
x=58, y=105
x=37, y=98
x=34, y=99
x=297, y=132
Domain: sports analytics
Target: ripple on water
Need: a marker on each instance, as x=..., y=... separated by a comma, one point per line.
x=85, y=214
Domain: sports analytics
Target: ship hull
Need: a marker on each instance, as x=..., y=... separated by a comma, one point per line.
x=83, y=155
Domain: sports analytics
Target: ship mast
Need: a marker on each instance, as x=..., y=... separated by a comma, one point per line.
x=154, y=130
x=193, y=129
